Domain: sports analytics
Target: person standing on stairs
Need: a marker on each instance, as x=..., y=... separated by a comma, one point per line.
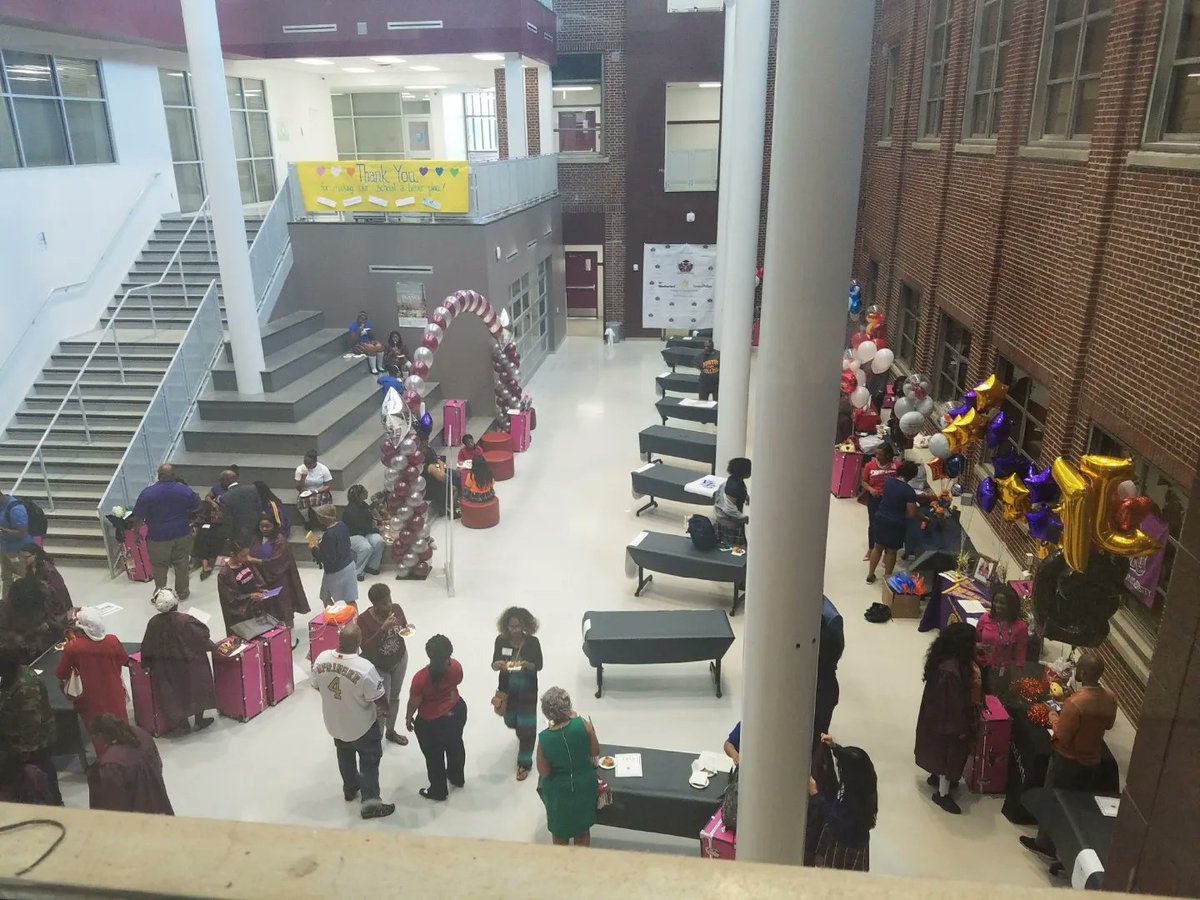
x=167, y=507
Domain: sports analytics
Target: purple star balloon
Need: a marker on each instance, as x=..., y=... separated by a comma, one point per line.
x=998, y=430
x=967, y=405
x=1044, y=525
x=988, y=495
x=1008, y=463
x=1042, y=486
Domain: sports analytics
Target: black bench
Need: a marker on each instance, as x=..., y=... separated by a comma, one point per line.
x=674, y=554
x=681, y=443
x=650, y=637
x=674, y=408
x=678, y=382
x=662, y=482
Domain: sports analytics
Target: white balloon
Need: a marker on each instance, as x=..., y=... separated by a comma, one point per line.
x=848, y=360
x=911, y=423
x=423, y=355
x=909, y=390
x=866, y=351
x=939, y=446
x=883, y=361
x=925, y=407
x=1127, y=490
x=861, y=377
x=861, y=397
x=902, y=407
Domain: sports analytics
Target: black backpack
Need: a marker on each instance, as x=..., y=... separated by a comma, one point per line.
x=702, y=532
x=38, y=524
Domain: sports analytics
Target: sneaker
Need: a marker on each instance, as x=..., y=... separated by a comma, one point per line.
x=362, y=577
x=378, y=812
x=424, y=792
x=932, y=781
x=350, y=795
x=871, y=578
x=947, y=803
x=1031, y=844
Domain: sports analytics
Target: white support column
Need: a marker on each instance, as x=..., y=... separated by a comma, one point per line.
x=545, y=109
x=723, y=190
x=224, y=190
x=514, y=100
x=745, y=99
x=823, y=60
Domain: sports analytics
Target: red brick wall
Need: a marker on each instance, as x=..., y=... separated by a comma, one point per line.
x=533, y=126
x=1081, y=271
x=501, y=114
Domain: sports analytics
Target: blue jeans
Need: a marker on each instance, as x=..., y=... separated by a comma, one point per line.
x=358, y=761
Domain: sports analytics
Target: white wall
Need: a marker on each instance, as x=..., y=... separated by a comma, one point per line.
x=546, y=116
x=300, y=110
x=453, y=130
x=66, y=225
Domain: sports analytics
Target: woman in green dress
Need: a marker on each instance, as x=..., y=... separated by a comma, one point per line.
x=565, y=751
x=517, y=656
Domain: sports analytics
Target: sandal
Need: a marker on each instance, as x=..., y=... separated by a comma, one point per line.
x=522, y=773
x=397, y=738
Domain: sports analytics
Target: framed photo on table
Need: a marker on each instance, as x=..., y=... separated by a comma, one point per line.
x=985, y=568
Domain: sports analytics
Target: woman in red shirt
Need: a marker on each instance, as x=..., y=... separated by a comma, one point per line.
x=875, y=473
x=438, y=715
x=98, y=658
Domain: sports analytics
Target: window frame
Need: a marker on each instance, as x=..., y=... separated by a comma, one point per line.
x=891, y=78
x=926, y=134
x=404, y=118
x=1002, y=44
x=8, y=108
x=949, y=327
x=1018, y=413
x=560, y=84
x=1155, y=137
x=1037, y=125
x=908, y=317
x=485, y=125
x=692, y=185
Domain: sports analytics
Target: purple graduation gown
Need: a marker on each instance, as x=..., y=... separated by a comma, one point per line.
x=278, y=568
x=175, y=649
x=129, y=779
x=945, y=722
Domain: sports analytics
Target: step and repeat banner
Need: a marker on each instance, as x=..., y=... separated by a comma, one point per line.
x=385, y=185
x=678, y=285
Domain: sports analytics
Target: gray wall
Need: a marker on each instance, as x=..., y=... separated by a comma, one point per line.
x=331, y=274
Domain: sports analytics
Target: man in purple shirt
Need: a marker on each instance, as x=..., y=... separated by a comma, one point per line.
x=167, y=507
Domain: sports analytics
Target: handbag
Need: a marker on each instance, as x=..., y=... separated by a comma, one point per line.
x=500, y=703
x=74, y=685
x=603, y=793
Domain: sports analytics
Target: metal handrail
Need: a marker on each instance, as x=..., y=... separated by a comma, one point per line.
x=38, y=452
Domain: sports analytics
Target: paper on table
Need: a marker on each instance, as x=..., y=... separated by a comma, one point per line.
x=706, y=486
x=711, y=761
x=107, y=609
x=1108, y=805
x=707, y=404
x=37, y=672
x=665, y=374
x=637, y=540
x=972, y=607
x=645, y=467
x=629, y=765
x=587, y=626
x=199, y=614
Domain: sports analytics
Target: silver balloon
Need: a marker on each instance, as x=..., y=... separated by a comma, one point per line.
x=414, y=383
x=911, y=423
x=415, y=497
x=403, y=514
x=902, y=407
x=925, y=407
x=410, y=559
x=409, y=444
x=419, y=484
x=426, y=529
x=403, y=571
x=443, y=312
x=398, y=463
x=389, y=478
x=423, y=355
x=435, y=330
x=421, y=545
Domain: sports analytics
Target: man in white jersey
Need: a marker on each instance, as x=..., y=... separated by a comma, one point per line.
x=352, y=700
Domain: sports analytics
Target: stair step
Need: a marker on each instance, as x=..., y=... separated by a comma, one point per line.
x=291, y=362
x=108, y=359
x=60, y=445
x=323, y=385
x=90, y=555
x=98, y=401
x=164, y=290
x=59, y=458
x=128, y=347
x=139, y=375
x=78, y=478
x=162, y=303
x=113, y=388
x=191, y=267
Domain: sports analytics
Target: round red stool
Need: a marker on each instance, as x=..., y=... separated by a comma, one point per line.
x=481, y=515
x=496, y=440
x=501, y=463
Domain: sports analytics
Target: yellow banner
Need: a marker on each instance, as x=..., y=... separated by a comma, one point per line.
x=389, y=185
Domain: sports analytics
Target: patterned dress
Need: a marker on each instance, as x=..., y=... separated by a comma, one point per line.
x=522, y=688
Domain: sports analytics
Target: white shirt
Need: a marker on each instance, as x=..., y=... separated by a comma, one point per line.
x=349, y=686
x=315, y=477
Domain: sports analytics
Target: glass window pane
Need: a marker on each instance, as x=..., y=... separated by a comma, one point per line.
x=233, y=88
x=1093, y=47
x=181, y=134
x=937, y=44
x=418, y=137
x=260, y=134
x=241, y=136
x=343, y=130
x=1058, y=109
x=985, y=65
x=1001, y=61
x=79, y=77
x=1062, y=58
x=376, y=104
x=87, y=123
x=255, y=93
x=382, y=135
x=1006, y=17
x=264, y=180
x=246, y=180
x=40, y=125
x=28, y=73
x=979, y=116
x=341, y=104
x=8, y=140
x=189, y=186
x=994, y=127
x=1067, y=10
x=174, y=87
x=1085, y=106
x=1183, y=107
x=577, y=95
x=702, y=136
x=988, y=22
x=416, y=107
x=1189, y=31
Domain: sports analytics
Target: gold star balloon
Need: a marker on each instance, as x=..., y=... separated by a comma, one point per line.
x=1014, y=496
x=989, y=394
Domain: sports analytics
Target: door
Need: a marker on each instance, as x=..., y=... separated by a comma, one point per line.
x=418, y=139
x=583, y=284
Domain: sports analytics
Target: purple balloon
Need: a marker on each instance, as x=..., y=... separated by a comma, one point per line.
x=998, y=429
x=965, y=407
x=1044, y=524
x=988, y=496
x=1042, y=486
x=1009, y=463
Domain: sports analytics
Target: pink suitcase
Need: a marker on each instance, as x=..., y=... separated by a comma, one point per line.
x=145, y=711
x=987, y=766
x=277, y=663
x=716, y=841
x=518, y=429
x=240, y=682
x=137, y=554
x=322, y=636
x=847, y=473
x=454, y=422
x=754, y=334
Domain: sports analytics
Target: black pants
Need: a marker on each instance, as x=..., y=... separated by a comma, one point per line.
x=441, y=743
x=708, y=387
x=1066, y=775
x=44, y=761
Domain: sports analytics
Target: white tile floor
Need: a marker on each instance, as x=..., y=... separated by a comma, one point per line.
x=559, y=550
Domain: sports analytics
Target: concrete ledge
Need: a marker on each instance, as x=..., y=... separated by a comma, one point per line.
x=926, y=145
x=1054, y=154
x=976, y=149
x=1151, y=159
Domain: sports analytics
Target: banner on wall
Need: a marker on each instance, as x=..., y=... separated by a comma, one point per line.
x=678, y=285
x=1144, y=571
x=410, y=304
x=385, y=185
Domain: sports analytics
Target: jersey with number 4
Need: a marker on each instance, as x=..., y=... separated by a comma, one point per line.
x=349, y=686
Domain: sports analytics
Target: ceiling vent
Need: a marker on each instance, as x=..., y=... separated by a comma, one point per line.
x=310, y=29
x=400, y=270
x=415, y=25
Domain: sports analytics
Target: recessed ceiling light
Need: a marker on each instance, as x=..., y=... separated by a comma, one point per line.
x=310, y=61
x=357, y=70
x=425, y=68
x=568, y=88
x=424, y=87
x=709, y=84
x=489, y=57
x=386, y=59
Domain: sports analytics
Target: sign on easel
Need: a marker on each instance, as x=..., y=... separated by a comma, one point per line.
x=678, y=285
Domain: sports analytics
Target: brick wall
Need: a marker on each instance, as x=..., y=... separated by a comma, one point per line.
x=501, y=114
x=1082, y=271
x=533, y=126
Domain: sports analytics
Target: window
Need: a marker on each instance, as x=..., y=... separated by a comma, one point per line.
x=694, y=5
x=252, y=146
x=1174, y=120
x=1171, y=503
x=52, y=111
x=479, y=110
x=1025, y=405
x=954, y=352
x=937, y=53
x=890, y=77
x=693, y=136
x=578, y=90
x=383, y=125
x=530, y=324
x=908, y=324
x=993, y=25
x=1068, y=88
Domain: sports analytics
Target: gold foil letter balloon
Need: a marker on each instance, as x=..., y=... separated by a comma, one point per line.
x=1075, y=512
x=1106, y=474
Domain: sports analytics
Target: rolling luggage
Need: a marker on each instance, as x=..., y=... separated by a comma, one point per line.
x=519, y=428
x=241, y=691
x=454, y=422
x=322, y=636
x=847, y=473
x=145, y=710
x=987, y=766
x=716, y=841
x=136, y=553
x=277, y=663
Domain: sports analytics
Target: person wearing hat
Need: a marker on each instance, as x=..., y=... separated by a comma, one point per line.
x=336, y=556
x=175, y=650
x=97, y=657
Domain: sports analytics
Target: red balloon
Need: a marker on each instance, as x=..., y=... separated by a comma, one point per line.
x=849, y=382
x=406, y=536
x=410, y=474
x=398, y=552
x=1130, y=513
x=430, y=341
x=422, y=570
x=416, y=523
x=411, y=399
x=857, y=338
x=440, y=321
x=421, y=508
x=416, y=458
x=427, y=554
x=419, y=368
x=880, y=342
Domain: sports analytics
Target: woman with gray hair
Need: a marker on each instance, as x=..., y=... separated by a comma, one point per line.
x=336, y=556
x=565, y=750
x=175, y=653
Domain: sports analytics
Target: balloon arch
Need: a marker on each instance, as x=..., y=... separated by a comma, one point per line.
x=407, y=528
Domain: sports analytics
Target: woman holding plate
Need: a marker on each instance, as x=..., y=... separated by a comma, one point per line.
x=384, y=627
x=518, y=658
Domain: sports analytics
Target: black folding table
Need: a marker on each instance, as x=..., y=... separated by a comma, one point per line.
x=682, y=356
x=1074, y=822
x=675, y=554
x=682, y=443
x=678, y=383
x=659, y=481
x=674, y=408
x=661, y=801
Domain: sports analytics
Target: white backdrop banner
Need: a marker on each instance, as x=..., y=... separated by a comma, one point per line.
x=678, y=285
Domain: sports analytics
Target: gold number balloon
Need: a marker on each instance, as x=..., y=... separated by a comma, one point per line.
x=1105, y=474
x=1075, y=512
x=990, y=393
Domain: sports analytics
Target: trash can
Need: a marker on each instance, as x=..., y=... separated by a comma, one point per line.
x=617, y=329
